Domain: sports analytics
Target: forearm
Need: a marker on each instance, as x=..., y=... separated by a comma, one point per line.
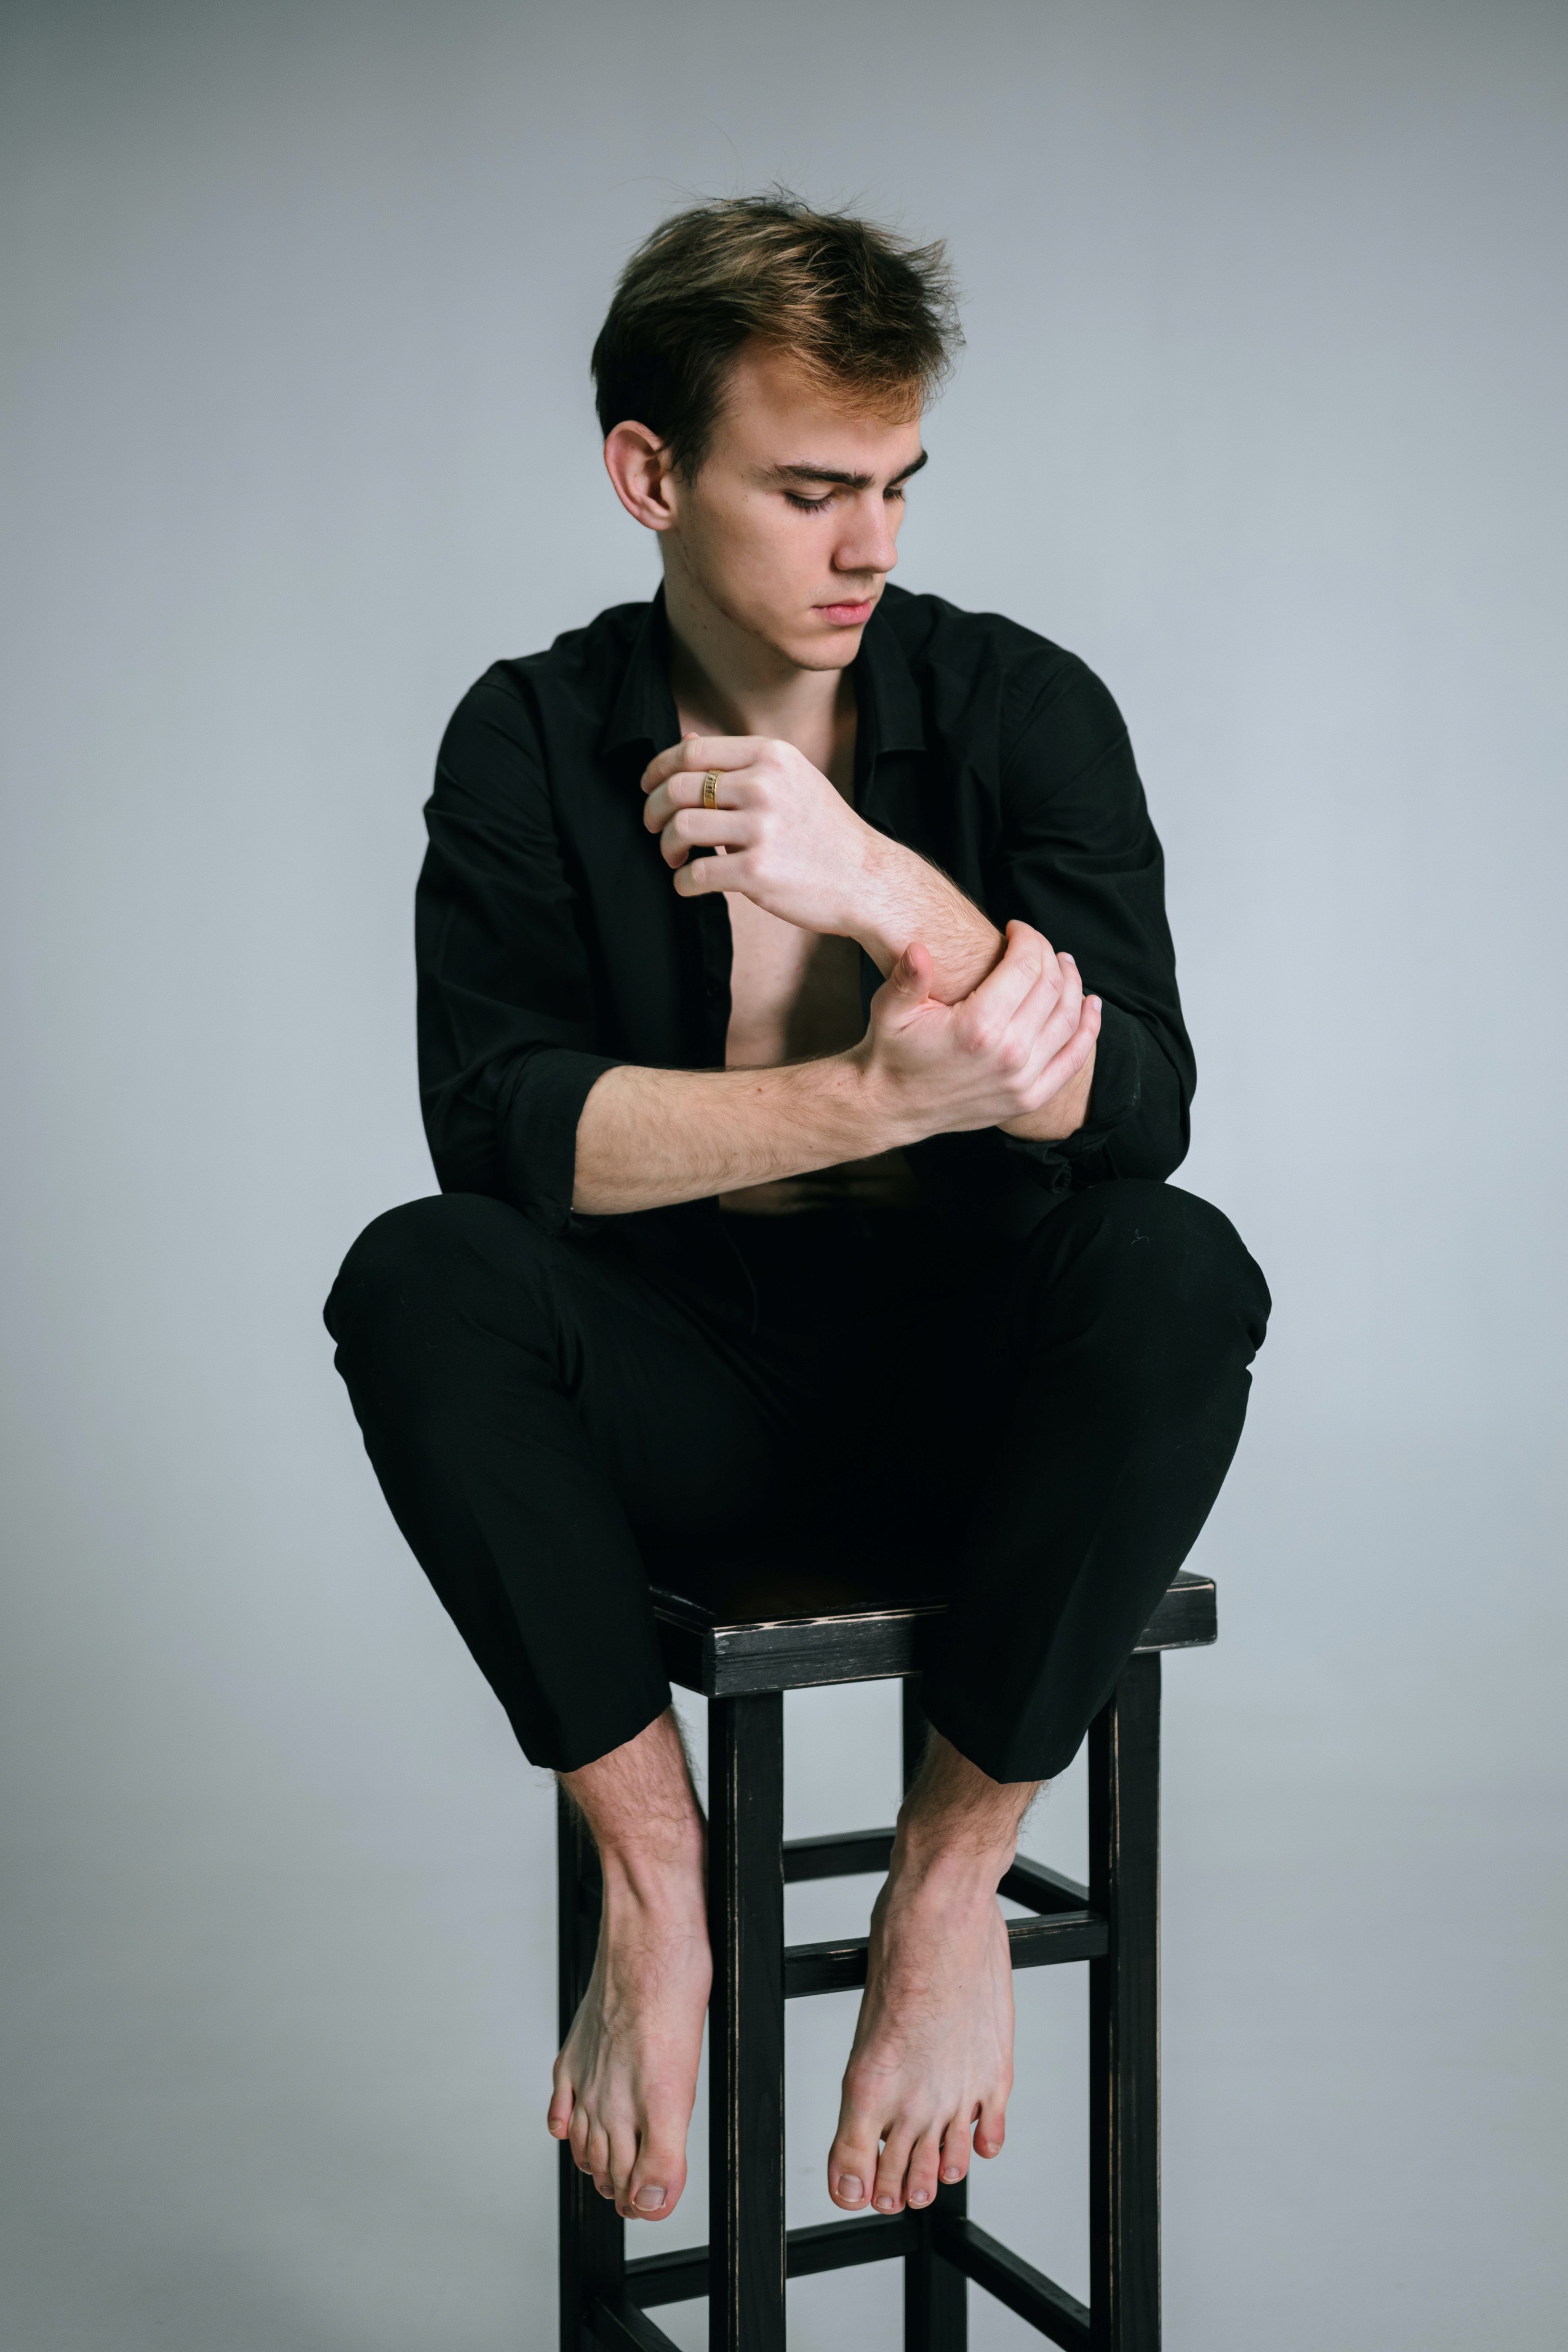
x=649, y=1137
x=903, y=898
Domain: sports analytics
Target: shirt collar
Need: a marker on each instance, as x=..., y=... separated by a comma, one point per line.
x=644, y=710
x=886, y=689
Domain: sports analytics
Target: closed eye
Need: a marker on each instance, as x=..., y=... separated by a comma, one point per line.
x=895, y=493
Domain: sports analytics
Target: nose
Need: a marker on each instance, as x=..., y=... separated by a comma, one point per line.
x=870, y=542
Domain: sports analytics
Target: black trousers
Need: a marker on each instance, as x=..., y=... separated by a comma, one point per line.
x=1039, y=1431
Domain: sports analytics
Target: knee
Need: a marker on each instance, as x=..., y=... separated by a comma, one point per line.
x=418, y=1265
x=1163, y=1261
x=1188, y=1254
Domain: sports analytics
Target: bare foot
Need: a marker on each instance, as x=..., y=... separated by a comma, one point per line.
x=627, y=2079
x=933, y=2052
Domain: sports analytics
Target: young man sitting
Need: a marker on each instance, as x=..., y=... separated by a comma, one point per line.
x=801, y=1061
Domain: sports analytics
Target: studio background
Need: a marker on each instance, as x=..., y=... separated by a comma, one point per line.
x=1262, y=414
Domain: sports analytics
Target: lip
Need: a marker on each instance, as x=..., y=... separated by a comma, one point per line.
x=847, y=616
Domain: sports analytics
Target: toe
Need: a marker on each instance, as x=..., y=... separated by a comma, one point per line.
x=955, y=2151
x=851, y=2165
x=991, y=2129
x=599, y=2159
x=924, y=2159
x=657, y=2180
x=893, y=2166
x=622, y=2157
x=558, y=2116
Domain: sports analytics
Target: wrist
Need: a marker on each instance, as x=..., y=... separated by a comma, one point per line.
x=885, y=1111
x=877, y=915
x=901, y=896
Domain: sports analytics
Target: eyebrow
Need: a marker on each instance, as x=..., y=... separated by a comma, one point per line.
x=809, y=473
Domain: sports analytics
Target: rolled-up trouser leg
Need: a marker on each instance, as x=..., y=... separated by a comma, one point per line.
x=1116, y=1392
x=515, y=1394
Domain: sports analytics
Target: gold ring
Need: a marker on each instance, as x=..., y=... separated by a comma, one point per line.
x=710, y=789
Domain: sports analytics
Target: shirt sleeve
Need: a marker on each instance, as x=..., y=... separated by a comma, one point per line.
x=506, y=991
x=1081, y=862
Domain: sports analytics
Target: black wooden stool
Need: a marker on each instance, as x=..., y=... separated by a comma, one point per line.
x=743, y=1662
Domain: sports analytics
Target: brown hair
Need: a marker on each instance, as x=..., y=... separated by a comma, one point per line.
x=863, y=311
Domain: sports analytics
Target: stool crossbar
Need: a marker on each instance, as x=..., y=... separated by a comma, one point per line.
x=743, y=1664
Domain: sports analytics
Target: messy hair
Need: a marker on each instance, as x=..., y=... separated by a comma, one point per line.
x=871, y=316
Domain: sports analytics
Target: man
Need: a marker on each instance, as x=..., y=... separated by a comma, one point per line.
x=803, y=1190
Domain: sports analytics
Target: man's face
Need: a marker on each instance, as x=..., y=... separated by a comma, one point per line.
x=790, y=528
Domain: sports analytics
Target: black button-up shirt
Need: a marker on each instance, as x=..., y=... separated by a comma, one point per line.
x=551, y=943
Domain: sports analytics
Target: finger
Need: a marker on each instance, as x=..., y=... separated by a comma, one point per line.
x=699, y=828
x=694, y=754
x=912, y=975
x=698, y=875
x=1066, y=1062
x=1063, y=1018
x=1045, y=1020
x=684, y=790
x=987, y=1012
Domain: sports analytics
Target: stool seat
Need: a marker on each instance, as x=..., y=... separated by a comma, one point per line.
x=742, y=1632
x=769, y=1628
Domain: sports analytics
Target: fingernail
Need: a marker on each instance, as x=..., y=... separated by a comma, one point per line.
x=650, y=2200
x=852, y=2186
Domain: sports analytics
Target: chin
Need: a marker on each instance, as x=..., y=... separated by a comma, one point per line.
x=838, y=656
x=823, y=647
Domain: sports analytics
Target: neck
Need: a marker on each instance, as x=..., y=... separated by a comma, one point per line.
x=727, y=682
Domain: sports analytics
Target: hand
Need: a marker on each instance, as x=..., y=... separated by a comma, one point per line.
x=1021, y=1039
x=794, y=844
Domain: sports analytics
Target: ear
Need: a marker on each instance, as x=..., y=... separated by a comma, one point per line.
x=638, y=465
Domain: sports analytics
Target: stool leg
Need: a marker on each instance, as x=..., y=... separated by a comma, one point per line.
x=1123, y=2014
x=592, y=2234
x=746, y=2023
x=936, y=2298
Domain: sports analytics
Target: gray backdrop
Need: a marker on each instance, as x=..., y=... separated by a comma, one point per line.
x=1262, y=414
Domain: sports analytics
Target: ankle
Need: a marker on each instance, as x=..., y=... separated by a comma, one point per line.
x=958, y=1858
x=662, y=1875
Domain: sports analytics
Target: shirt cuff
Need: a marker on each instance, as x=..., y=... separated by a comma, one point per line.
x=537, y=1117
x=1113, y=1098
x=1118, y=1078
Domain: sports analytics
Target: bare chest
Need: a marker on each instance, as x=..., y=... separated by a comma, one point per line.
x=793, y=995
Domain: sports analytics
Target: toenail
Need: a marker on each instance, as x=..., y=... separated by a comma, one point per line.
x=884, y=2204
x=650, y=2200
x=952, y=2173
x=850, y=2187
x=918, y=2195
